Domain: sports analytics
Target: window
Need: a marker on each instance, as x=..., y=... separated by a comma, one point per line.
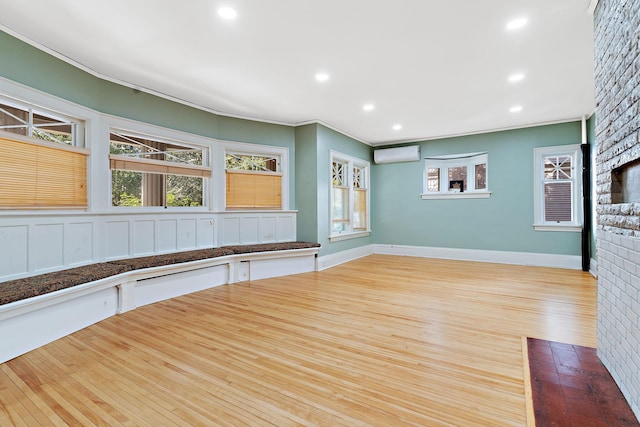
x=150, y=171
x=456, y=176
x=254, y=180
x=557, y=188
x=43, y=165
x=27, y=120
x=349, y=197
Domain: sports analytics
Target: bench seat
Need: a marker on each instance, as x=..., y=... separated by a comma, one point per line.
x=27, y=287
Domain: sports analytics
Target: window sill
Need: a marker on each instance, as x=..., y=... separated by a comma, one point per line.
x=559, y=227
x=347, y=236
x=443, y=196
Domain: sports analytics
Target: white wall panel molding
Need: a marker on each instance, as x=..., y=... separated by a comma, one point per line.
x=35, y=244
x=251, y=227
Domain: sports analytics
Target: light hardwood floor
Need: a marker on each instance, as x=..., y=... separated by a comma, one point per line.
x=386, y=341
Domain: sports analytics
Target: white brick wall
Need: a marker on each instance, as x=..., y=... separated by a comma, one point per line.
x=617, y=61
x=619, y=311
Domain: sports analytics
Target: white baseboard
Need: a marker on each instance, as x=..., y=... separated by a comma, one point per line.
x=338, y=258
x=573, y=262
x=501, y=257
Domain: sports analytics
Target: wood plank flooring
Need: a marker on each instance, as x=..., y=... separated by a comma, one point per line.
x=384, y=341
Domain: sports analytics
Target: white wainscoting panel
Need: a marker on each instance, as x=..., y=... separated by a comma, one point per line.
x=39, y=243
x=249, y=230
x=47, y=241
x=14, y=255
x=230, y=231
x=144, y=235
x=78, y=243
x=285, y=228
x=244, y=228
x=268, y=229
x=187, y=234
x=167, y=235
x=117, y=239
x=206, y=233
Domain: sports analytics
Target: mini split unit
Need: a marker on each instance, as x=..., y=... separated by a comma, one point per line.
x=399, y=154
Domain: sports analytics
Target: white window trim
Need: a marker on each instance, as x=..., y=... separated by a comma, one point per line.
x=352, y=161
x=539, y=224
x=258, y=149
x=160, y=134
x=468, y=160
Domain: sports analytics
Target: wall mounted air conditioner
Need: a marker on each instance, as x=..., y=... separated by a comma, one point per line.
x=398, y=154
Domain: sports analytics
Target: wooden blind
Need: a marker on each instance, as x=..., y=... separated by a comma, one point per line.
x=254, y=190
x=40, y=175
x=360, y=209
x=127, y=163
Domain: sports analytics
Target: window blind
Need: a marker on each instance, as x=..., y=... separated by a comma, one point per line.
x=40, y=175
x=360, y=210
x=253, y=190
x=557, y=201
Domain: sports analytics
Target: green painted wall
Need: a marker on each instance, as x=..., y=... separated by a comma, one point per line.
x=313, y=145
x=307, y=182
x=328, y=140
x=503, y=222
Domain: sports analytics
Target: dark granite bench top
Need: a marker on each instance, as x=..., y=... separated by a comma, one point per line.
x=169, y=259
x=266, y=247
x=19, y=289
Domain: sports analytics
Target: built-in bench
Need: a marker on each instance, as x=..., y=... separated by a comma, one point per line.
x=39, y=309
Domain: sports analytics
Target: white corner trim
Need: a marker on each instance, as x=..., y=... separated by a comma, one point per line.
x=469, y=195
x=592, y=6
x=332, y=260
x=573, y=262
x=593, y=267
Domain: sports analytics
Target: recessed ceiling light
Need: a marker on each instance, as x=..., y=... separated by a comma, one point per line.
x=227, y=13
x=368, y=107
x=516, y=109
x=397, y=127
x=322, y=77
x=516, y=23
x=516, y=77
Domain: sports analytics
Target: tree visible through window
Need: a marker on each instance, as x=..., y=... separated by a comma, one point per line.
x=150, y=172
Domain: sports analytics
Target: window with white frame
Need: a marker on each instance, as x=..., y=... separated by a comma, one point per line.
x=28, y=120
x=456, y=176
x=152, y=171
x=44, y=164
x=253, y=180
x=558, y=188
x=349, y=197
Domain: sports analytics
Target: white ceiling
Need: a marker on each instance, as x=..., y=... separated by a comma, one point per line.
x=439, y=68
